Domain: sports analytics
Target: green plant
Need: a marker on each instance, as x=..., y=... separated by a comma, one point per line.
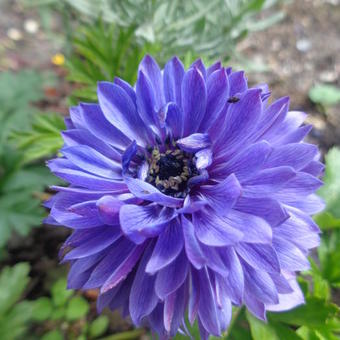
x=42, y=139
x=205, y=28
x=101, y=52
x=325, y=95
x=67, y=313
x=21, y=185
x=14, y=313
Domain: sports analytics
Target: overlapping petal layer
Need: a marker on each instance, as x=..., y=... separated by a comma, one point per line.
x=232, y=228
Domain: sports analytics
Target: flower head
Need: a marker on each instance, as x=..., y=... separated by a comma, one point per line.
x=188, y=193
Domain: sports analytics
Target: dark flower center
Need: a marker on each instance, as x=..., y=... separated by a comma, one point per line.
x=170, y=171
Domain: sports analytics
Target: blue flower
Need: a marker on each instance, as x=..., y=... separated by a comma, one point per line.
x=188, y=194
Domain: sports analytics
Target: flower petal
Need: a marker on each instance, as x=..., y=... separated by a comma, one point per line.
x=194, y=142
x=148, y=192
x=169, y=245
x=139, y=221
x=172, y=78
x=170, y=278
x=143, y=298
x=119, y=109
x=259, y=256
x=213, y=231
x=194, y=100
x=222, y=196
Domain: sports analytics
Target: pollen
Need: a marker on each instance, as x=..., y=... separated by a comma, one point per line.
x=170, y=170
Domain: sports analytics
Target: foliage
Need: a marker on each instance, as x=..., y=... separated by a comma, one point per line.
x=205, y=28
x=14, y=314
x=103, y=51
x=325, y=95
x=20, y=186
x=64, y=310
x=17, y=92
x=42, y=139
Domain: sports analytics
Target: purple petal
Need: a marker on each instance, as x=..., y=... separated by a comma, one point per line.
x=192, y=247
x=119, y=109
x=172, y=78
x=213, y=231
x=194, y=100
x=108, y=209
x=126, y=87
x=170, y=278
x=296, y=155
x=203, y=159
x=112, y=260
x=64, y=169
x=174, y=308
x=92, y=161
x=214, y=67
x=222, y=196
x=260, y=285
x=123, y=269
x=267, y=208
x=288, y=301
x=245, y=164
x=128, y=154
x=254, y=229
x=98, y=125
x=256, y=307
x=168, y=247
x=198, y=64
x=150, y=68
x=290, y=257
x=207, y=309
x=241, y=120
x=238, y=83
x=139, y=221
x=143, y=298
x=261, y=257
x=96, y=242
x=174, y=117
x=148, y=192
x=79, y=137
x=194, y=142
x=218, y=91
x=234, y=282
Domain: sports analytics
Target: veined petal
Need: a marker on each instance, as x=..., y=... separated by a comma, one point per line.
x=194, y=100
x=194, y=142
x=167, y=248
x=120, y=110
x=222, y=196
x=137, y=222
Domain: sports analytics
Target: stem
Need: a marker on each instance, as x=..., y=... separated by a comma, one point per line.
x=129, y=335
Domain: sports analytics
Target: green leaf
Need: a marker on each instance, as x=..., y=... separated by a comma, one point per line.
x=99, y=326
x=42, y=310
x=17, y=91
x=326, y=95
x=313, y=314
x=14, y=324
x=55, y=334
x=77, y=308
x=329, y=255
x=13, y=281
x=331, y=189
x=326, y=221
x=60, y=294
x=43, y=139
x=260, y=330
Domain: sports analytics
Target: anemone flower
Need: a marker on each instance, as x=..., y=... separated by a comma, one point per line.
x=189, y=193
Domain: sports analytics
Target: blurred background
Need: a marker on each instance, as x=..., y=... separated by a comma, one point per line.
x=52, y=53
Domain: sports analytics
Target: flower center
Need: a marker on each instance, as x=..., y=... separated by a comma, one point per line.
x=170, y=171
